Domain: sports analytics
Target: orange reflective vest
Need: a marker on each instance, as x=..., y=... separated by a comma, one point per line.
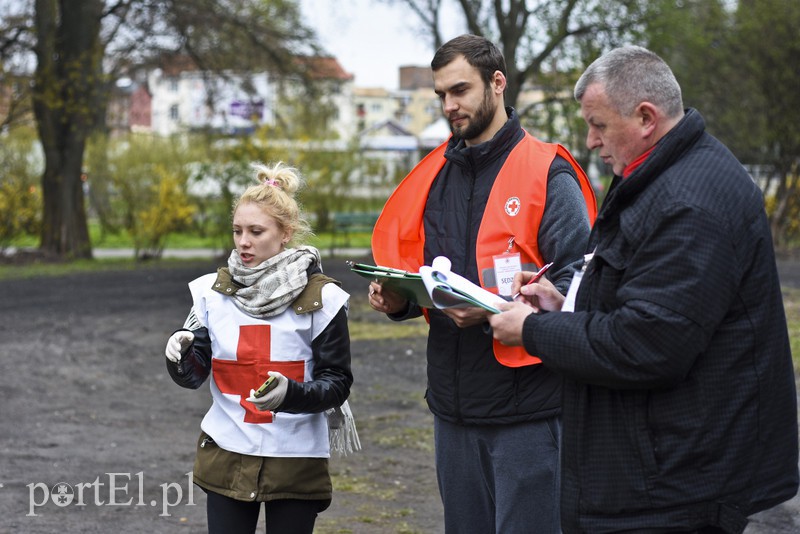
x=514, y=210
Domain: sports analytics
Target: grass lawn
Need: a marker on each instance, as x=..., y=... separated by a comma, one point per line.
x=193, y=240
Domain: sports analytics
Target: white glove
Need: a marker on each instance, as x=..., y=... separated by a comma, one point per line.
x=274, y=398
x=177, y=345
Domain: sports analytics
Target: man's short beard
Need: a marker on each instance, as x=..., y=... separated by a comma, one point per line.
x=480, y=121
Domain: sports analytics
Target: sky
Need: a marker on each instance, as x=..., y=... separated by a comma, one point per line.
x=370, y=38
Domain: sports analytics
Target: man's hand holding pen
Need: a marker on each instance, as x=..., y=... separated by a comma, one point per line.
x=385, y=300
x=532, y=294
x=525, y=279
x=536, y=291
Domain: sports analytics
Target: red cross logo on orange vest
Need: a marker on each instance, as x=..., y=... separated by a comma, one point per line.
x=249, y=369
x=512, y=206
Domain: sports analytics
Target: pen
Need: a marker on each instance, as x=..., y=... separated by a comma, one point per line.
x=536, y=277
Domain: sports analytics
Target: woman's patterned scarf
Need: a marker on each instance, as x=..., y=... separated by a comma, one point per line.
x=270, y=287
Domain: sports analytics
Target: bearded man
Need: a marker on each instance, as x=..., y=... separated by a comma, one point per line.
x=494, y=200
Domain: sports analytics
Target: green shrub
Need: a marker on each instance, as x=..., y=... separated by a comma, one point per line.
x=138, y=186
x=20, y=192
x=169, y=211
x=20, y=209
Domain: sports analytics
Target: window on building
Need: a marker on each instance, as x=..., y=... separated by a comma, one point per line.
x=173, y=112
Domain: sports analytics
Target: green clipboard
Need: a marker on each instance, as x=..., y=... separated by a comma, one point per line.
x=409, y=285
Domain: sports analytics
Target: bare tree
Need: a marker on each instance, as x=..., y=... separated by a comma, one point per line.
x=534, y=35
x=429, y=14
x=14, y=41
x=68, y=53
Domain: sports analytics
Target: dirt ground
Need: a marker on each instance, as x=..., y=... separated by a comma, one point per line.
x=95, y=437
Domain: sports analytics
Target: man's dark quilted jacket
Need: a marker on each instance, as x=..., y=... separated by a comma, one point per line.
x=679, y=403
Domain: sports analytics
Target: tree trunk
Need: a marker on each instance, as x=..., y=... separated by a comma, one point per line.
x=66, y=91
x=64, y=227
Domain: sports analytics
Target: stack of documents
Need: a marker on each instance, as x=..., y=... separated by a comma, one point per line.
x=450, y=290
x=434, y=286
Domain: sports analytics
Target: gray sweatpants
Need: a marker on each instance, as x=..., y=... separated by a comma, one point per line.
x=502, y=479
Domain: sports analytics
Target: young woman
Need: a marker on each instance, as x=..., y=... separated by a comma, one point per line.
x=270, y=314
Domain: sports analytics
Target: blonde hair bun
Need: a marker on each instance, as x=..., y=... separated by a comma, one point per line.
x=279, y=175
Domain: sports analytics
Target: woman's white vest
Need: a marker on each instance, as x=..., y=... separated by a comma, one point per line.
x=244, y=348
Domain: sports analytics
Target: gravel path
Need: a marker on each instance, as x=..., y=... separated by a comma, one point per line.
x=87, y=401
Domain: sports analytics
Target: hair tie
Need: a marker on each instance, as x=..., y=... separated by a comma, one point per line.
x=273, y=183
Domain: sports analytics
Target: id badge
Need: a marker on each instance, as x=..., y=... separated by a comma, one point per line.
x=572, y=292
x=505, y=267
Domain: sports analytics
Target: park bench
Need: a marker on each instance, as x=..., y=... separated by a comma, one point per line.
x=345, y=224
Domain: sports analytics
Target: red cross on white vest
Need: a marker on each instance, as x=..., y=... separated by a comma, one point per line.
x=249, y=369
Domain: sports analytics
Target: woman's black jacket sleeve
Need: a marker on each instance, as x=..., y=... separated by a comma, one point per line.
x=330, y=385
x=195, y=365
